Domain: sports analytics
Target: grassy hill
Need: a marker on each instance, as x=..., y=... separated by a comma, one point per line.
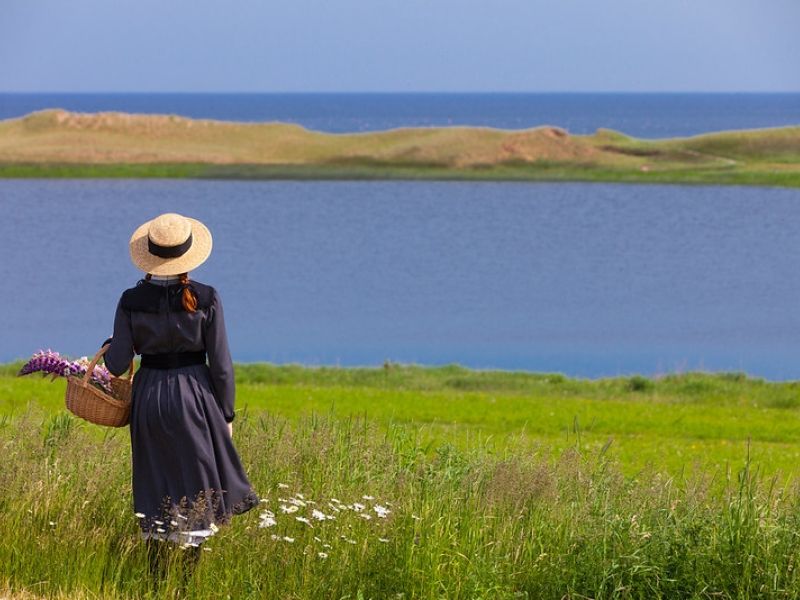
x=63, y=144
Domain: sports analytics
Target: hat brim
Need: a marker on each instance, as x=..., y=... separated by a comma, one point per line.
x=195, y=256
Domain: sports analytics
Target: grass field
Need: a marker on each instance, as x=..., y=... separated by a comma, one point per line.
x=497, y=485
x=56, y=143
x=667, y=422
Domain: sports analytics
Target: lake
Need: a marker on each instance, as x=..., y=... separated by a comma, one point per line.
x=589, y=280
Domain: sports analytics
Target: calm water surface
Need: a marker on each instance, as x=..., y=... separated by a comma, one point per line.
x=637, y=115
x=584, y=279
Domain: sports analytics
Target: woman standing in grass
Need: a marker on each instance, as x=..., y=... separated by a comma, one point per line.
x=187, y=476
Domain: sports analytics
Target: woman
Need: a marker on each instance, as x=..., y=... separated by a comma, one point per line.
x=187, y=476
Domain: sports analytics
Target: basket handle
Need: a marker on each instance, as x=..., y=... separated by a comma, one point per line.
x=96, y=359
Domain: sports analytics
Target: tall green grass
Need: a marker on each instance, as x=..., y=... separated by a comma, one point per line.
x=466, y=520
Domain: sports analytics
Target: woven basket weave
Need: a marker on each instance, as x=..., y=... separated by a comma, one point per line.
x=87, y=402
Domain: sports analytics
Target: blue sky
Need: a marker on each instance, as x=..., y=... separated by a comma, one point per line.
x=399, y=46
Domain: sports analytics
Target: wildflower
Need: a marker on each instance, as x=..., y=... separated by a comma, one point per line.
x=267, y=522
x=322, y=555
x=304, y=520
x=383, y=540
x=267, y=514
x=50, y=363
x=415, y=517
x=206, y=549
x=382, y=511
x=357, y=507
x=365, y=516
x=289, y=509
x=213, y=528
x=321, y=516
x=335, y=500
x=173, y=523
x=161, y=530
x=52, y=523
x=283, y=486
x=288, y=539
x=159, y=522
x=367, y=498
x=139, y=515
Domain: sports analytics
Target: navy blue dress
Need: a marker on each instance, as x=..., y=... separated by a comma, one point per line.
x=187, y=474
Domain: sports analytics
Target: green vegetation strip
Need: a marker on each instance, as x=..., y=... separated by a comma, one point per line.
x=532, y=173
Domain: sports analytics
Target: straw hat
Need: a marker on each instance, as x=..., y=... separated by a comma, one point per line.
x=170, y=245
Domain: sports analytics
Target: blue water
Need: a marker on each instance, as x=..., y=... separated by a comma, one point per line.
x=589, y=280
x=639, y=115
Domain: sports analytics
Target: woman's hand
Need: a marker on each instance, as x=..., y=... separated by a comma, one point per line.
x=230, y=429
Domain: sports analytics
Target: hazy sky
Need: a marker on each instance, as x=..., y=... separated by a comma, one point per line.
x=399, y=45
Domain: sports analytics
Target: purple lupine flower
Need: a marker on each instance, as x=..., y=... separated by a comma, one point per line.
x=50, y=363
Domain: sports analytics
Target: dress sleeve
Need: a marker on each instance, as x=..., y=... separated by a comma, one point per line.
x=219, y=359
x=120, y=353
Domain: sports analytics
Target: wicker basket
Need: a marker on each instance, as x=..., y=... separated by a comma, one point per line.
x=89, y=403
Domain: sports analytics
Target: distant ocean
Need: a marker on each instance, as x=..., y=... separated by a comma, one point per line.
x=649, y=116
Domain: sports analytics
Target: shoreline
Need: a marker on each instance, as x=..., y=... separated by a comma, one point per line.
x=257, y=370
x=537, y=174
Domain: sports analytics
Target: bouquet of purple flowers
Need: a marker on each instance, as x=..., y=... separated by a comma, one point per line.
x=50, y=363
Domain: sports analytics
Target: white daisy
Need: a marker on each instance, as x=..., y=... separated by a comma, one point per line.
x=267, y=522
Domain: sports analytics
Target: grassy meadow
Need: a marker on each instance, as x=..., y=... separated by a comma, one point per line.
x=56, y=143
x=445, y=482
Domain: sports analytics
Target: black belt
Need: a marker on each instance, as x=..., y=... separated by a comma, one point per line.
x=174, y=360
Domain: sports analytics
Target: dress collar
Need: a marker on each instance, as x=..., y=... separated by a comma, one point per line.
x=164, y=279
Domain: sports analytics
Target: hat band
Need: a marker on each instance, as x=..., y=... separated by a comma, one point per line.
x=169, y=251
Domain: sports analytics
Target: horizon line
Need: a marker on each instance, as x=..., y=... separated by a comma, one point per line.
x=401, y=93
